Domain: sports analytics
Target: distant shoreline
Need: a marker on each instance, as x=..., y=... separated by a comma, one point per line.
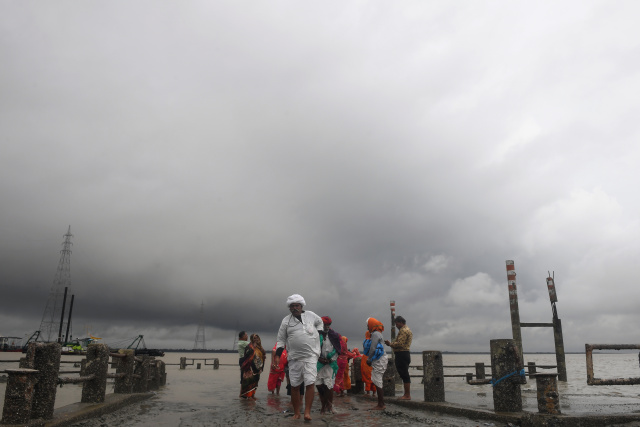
x=183, y=350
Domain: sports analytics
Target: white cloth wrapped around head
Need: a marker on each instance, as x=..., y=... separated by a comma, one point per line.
x=295, y=299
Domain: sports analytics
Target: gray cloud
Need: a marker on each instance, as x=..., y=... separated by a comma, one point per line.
x=229, y=155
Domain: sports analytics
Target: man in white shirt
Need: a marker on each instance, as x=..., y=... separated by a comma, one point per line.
x=299, y=333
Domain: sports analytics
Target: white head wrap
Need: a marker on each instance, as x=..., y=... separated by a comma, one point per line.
x=295, y=299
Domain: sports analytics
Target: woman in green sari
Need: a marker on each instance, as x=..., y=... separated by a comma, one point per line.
x=251, y=365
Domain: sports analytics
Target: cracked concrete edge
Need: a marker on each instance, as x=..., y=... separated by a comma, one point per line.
x=519, y=418
x=75, y=412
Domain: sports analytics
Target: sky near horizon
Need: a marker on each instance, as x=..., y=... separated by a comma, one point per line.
x=231, y=154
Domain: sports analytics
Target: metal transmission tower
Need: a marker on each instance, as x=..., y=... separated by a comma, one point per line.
x=200, y=342
x=52, y=318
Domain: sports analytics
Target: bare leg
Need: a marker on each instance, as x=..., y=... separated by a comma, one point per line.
x=296, y=401
x=380, y=399
x=330, y=401
x=407, y=392
x=308, y=401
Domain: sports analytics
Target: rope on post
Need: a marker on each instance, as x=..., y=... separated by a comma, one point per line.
x=495, y=382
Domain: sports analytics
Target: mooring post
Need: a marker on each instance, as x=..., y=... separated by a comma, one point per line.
x=389, y=379
x=531, y=367
x=433, y=372
x=93, y=390
x=513, y=304
x=47, y=362
x=547, y=394
x=480, y=375
x=357, y=385
x=154, y=377
x=559, y=342
x=557, y=330
x=141, y=379
x=18, y=397
x=125, y=365
x=183, y=363
x=163, y=373
x=198, y=365
x=216, y=363
x=506, y=368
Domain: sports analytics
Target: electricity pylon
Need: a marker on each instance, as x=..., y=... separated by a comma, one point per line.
x=200, y=342
x=52, y=316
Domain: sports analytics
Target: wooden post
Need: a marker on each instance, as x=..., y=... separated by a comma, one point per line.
x=505, y=367
x=216, y=363
x=531, y=367
x=93, y=391
x=433, y=376
x=183, y=363
x=480, y=373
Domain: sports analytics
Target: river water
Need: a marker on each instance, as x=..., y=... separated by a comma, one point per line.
x=208, y=397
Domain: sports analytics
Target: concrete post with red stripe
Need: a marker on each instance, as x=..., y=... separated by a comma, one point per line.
x=513, y=304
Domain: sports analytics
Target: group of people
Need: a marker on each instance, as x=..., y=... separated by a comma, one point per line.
x=311, y=354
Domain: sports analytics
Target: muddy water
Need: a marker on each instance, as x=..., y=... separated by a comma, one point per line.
x=207, y=397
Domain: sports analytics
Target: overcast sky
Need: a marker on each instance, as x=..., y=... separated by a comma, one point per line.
x=234, y=153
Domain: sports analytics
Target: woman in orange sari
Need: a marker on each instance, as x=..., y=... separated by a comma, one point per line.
x=251, y=365
x=366, y=370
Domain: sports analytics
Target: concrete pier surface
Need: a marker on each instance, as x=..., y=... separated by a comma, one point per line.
x=208, y=397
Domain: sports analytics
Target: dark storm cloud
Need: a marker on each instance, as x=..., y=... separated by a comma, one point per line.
x=231, y=155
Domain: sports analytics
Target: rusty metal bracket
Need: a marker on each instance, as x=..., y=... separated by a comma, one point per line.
x=612, y=381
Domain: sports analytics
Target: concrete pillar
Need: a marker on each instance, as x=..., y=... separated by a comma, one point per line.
x=198, y=366
x=18, y=397
x=163, y=373
x=547, y=393
x=389, y=379
x=183, y=363
x=125, y=366
x=433, y=376
x=480, y=372
x=357, y=385
x=513, y=304
x=47, y=362
x=154, y=377
x=531, y=367
x=216, y=363
x=505, y=366
x=93, y=391
x=141, y=382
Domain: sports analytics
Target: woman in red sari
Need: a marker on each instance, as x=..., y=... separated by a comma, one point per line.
x=251, y=365
x=276, y=373
x=343, y=365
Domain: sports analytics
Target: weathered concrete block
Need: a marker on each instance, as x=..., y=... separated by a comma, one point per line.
x=18, y=398
x=93, y=391
x=506, y=366
x=433, y=376
x=125, y=366
x=47, y=361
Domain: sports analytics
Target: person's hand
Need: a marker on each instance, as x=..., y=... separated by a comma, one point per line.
x=369, y=362
x=387, y=342
x=275, y=362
